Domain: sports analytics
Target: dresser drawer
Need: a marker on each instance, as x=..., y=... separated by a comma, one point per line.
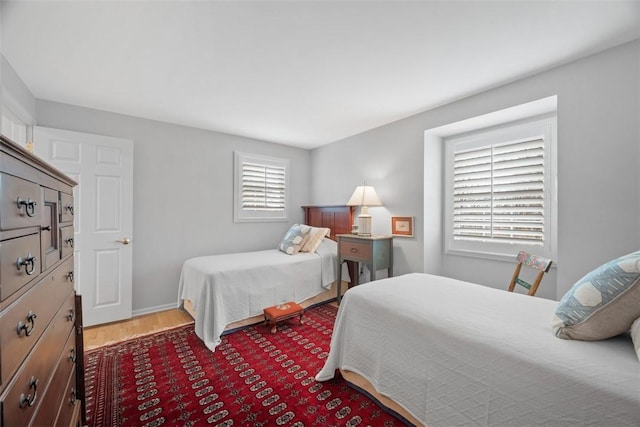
x=20, y=204
x=20, y=262
x=67, y=209
x=66, y=240
x=42, y=301
x=69, y=415
x=57, y=396
x=20, y=401
x=49, y=238
x=355, y=251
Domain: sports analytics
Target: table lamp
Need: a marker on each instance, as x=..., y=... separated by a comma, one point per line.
x=364, y=196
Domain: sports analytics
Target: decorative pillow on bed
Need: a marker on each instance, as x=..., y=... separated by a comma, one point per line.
x=603, y=303
x=635, y=336
x=295, y=239
x=315, y=238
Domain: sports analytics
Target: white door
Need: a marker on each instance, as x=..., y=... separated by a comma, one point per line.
x=103, y=225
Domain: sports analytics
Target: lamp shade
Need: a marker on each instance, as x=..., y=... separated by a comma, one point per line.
x=364, y=195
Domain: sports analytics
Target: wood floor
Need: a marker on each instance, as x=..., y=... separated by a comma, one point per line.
x=96, y=336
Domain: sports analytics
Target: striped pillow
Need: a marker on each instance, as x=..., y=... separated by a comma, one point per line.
x=315, y=238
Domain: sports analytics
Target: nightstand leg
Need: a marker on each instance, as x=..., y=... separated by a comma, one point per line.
x=356, y=275
x=339, y=296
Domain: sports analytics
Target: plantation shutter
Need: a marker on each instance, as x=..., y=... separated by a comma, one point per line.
x=263, y=187
x=499, y=193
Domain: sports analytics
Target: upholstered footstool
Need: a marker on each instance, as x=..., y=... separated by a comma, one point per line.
x=280, y=312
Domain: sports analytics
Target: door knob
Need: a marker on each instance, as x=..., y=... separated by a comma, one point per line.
x=124, y=241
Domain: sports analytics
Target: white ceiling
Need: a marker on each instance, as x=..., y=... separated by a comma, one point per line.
x=298, y=73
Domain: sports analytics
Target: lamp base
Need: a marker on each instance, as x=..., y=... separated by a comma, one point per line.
x=364, y=225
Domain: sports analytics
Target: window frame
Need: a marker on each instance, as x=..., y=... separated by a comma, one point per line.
x=245, y=215
x=544, y=126
x=14, y=127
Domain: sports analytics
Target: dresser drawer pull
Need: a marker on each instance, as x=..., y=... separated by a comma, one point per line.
x=71, y=315
x=69, y=241
x=45, y=228
x=70, y=276
x=29, y=400
x=28, y=261
x=25, y=327
x=72, y=355
x=29, y=206
x=354, y=250
x=72, y=399
x=69, y=208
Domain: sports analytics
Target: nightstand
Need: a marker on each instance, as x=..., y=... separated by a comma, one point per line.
x=374, y=251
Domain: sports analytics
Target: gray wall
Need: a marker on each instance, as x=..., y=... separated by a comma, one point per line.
x=15, y=95
x=1, y=55
x=183, y=194
x=598, y=171
x=2, y=59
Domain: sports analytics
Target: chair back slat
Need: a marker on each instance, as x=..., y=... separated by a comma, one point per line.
x=533, y=261
x=523, y=283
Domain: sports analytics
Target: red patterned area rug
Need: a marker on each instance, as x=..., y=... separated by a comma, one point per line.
x=254, y=378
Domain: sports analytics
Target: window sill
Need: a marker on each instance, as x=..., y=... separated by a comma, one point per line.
x=490, y=255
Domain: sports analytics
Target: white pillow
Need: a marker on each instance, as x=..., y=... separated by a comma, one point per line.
x=315, y=238
x=294, y=239
x=635, y=336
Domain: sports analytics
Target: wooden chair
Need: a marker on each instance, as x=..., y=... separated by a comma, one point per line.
x=536, y=262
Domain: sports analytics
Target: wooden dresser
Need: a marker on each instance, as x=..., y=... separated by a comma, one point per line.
x=41, y=381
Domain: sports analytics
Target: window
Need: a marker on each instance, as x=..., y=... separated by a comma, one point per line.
x=261, y=188
x=500, y=192
x=13, y=127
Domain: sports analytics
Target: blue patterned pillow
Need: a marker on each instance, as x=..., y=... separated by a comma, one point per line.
x=602, y=304
x=295, y=238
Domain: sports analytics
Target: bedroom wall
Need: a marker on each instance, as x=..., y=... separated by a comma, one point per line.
x=598, y=170
x=1, y=55
x=183, y=194
x=15, y=94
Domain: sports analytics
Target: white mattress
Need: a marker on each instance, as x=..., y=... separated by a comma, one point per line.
x=231, y=287
x=456, y=353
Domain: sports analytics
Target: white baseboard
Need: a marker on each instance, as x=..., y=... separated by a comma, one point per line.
x=155, y=309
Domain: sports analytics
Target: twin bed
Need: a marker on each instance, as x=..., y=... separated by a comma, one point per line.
x=455, y=353
x=225, y=292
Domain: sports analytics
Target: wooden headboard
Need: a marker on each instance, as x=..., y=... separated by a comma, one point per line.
x=338, y=218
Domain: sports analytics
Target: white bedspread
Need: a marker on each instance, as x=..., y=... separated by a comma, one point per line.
x=231, y=287
x=456, y=353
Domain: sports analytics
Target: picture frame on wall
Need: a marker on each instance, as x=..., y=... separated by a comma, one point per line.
x=402, y=226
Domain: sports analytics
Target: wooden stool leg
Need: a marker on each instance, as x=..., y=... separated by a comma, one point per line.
x=274, y=328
